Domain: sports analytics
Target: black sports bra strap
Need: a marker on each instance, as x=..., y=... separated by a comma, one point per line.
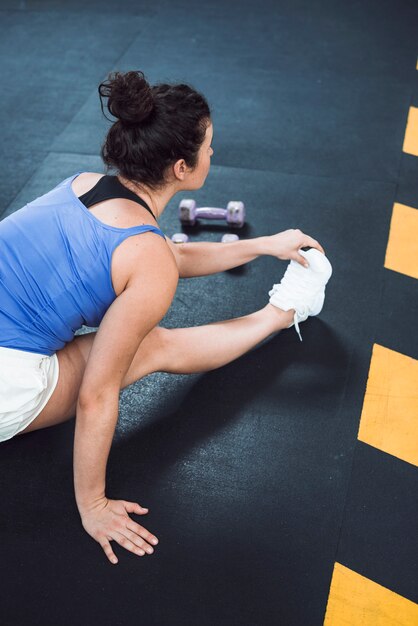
x=109, y=187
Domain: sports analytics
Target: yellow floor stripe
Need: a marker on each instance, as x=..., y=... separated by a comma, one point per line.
x=389, y=422
x=410, y=144
x=402, y=248
x=357, y=601
x=389, y=418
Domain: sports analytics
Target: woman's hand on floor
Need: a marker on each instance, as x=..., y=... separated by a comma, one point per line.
x=286, y=245
x=108, y=519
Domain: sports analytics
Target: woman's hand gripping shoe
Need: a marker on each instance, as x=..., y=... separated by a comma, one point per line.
x=303, y=288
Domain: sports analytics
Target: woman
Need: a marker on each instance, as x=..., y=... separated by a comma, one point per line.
x=90, y=252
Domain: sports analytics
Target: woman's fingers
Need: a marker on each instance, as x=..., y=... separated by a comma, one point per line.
x=128, y=540
x=301, y=259
x=132, y=546
x=134, y=507
x=314, y=244
x=307, y=240
x=141, y=531
x=108, y=550
x=137, y=539
x=130, y=536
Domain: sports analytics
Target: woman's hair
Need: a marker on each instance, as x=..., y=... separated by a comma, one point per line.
x=156, y=126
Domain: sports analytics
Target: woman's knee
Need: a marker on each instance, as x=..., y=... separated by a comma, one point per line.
x=149, y=357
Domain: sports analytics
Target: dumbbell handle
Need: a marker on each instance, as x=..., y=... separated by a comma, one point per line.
x=209, y=212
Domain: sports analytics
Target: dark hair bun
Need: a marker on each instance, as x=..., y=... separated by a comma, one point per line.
x=129, y=96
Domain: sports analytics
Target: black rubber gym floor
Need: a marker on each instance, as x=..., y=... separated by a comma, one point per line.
x=258, y=486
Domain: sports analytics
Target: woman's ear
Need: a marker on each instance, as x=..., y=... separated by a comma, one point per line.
x=180, y=168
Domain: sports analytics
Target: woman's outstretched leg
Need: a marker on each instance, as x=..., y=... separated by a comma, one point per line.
x=176, y=350
x=207, y=347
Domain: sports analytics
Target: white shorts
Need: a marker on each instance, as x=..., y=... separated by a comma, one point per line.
x=27, y=381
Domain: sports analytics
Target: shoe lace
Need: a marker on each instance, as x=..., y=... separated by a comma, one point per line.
x=295, y=320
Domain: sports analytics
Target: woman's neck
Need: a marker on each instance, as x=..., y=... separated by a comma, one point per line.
x=157, y=200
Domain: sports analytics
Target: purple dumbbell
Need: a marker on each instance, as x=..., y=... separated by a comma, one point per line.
x=234, y=214
x=183, y=238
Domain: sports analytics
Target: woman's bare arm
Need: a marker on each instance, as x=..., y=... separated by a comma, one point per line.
x=200, y=258
x=204, y=257
x=144, y=302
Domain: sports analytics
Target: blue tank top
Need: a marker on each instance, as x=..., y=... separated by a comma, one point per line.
x=55, y=270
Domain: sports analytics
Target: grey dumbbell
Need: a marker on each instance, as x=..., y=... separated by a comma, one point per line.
x=228, y=237
x=179, y=238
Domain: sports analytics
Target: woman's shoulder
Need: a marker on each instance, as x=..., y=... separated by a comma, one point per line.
x=139, y=255
x=84, y=182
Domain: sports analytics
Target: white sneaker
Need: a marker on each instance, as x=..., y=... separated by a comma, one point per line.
x=303, y=288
